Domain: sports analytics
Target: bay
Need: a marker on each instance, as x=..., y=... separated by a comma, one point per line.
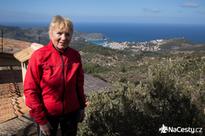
x=134, y=32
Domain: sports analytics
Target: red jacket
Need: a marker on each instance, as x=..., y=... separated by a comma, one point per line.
x=54, y=83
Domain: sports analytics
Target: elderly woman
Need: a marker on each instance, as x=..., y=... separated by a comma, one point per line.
x=53, y=85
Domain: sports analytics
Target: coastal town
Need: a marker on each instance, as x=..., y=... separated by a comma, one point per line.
x=171, y=44
x=99, y=39
x=153, y=45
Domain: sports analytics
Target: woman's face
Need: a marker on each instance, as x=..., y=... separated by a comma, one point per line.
x=60, y=38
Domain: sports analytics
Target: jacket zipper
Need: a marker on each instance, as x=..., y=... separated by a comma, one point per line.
x=64, y=87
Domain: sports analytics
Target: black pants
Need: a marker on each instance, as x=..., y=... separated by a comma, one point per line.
x=68, y=124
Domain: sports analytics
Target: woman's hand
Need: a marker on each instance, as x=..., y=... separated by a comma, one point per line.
x=46, y=129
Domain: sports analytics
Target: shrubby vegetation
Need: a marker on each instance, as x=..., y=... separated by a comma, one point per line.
x=172, y=92
x=94, y=68
x=96, y=49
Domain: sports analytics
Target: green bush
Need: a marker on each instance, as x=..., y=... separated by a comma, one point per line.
x=92, y=68
x=173, y=94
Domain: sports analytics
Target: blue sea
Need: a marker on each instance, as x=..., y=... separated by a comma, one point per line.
x=144, y=32
x=135, y=32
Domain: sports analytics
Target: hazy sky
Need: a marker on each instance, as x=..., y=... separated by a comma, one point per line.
x=139, y=11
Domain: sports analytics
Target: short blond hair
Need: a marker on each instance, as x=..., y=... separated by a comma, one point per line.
x=62, y=23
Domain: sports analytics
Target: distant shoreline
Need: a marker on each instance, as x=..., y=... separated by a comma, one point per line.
x=122, y=32
x=145, y=32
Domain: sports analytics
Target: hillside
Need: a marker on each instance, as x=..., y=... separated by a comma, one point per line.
x=125, y=65
x=149, y=89
x=40, y=34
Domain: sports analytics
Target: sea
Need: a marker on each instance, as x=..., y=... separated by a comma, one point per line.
x=135, y=32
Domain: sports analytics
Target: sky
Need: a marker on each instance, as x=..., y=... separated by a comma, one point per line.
x=134, y=11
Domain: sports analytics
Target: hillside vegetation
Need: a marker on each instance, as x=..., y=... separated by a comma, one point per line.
x=40, y=34
x=149, y=89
